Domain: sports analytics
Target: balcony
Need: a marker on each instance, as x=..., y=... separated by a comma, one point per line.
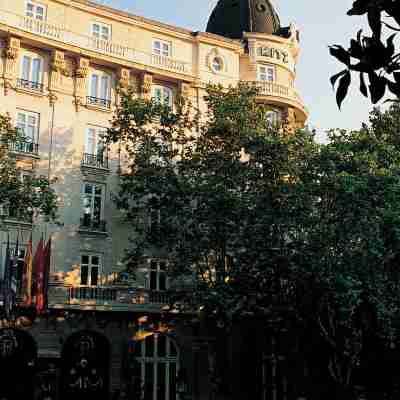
x=24, y=146
x=63, y=35
x=92, y=293
x=92, y=225
x=30, y=85
x=99, y=161
x=14, y=216
x=98, y=102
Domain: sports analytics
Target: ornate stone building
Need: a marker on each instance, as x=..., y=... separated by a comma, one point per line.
x=61, y=62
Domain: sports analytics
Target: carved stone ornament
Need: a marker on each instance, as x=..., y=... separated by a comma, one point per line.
x=82, y=68
x=215, y=62
x=12, y=48
x=52, y=98
x=124, y=77
x=185, y=89
x=58, y=62
x=147, y=83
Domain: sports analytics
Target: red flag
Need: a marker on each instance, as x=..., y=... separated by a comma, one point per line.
x=38, y=265
x=47, y=260
x=27, y=275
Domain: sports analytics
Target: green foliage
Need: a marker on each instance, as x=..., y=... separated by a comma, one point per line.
x=371, y=56
x=21, y=199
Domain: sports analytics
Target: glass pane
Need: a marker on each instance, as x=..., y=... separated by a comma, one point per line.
x=161, y=384
x=162, y=346
x=29, y=10
x=84, y=274
x=26, y=67
x=172, y=381
x=95, y=260
x=149, y=346
x=85, y=260
x=30, y=132
x=88, y=188
x=36, y=67
x=163, y=266
x=97, y=209
x=165, y=48
x=157, y=47
x=163, y=281
x=138, y=349
x=97, y=190
x=104, y=90
x=94, y=275
x=39, y=12
x=153, y=265
x=105, y=33
x=153, y=280
x=96, y=30
x=172, y=349
x=90, y=141
x=93, y=85
x=167, y=97
x=149, y=381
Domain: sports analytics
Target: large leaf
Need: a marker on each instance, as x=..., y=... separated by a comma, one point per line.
x=343, y=88
x=377, y=86
x=340, y=53
x=363, y=86
x=374, y=20
x=394, y=87
x=335, y=77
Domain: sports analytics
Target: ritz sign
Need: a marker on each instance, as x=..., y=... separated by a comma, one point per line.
x=270, y=52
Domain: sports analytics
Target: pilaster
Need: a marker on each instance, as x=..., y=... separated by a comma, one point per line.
x=81, y=75
x=11, y=53
x=147, y=83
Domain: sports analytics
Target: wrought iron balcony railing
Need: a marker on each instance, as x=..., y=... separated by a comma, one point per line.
x=24, y=146
x=92, y=293
x=94, y=160
x=30, y=85
x=98, y=102
x=89, y=223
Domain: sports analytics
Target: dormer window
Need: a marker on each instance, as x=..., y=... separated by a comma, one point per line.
x=35, y=10
x=101, y=31
x=161, y=48
x=266, y=73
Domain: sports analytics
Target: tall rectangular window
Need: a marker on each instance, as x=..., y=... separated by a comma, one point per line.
x=28, y=125
x=101, y=31
x=100, y=85
x=35, y=10
x=266, y=73
x=162, y=95
x=158, y=275
x=32, y=69
x=90, y=270
x=94, y=144
x=161, y=48
x=92, y=202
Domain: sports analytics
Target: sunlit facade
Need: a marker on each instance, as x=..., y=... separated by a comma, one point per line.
x=61, y=63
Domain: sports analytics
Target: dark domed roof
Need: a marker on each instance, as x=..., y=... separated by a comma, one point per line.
x=231, y=18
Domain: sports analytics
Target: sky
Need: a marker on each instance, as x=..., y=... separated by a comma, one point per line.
x=321, y=23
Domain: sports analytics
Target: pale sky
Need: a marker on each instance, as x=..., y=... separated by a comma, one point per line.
x=321, y=23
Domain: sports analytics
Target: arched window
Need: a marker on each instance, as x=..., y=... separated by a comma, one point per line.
x=155, y=368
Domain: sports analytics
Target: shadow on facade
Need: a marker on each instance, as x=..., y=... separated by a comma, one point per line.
x=85, y=367
x=18, y=354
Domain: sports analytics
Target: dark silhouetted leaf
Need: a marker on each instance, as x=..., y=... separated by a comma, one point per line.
x=343, y=88
x=340, y=53
x=390, y=46
x=377, y=87
x=363, y=86
x=360, y=7
x=335, y=77
x=396, y=77
x=356, y=49
x=394, y=87
x=374, y=20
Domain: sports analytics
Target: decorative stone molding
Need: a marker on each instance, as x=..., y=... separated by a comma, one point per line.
x=211, y=58
x=58, y=62
x=147, y=83
x=52, y=98
x=11, y=53
x=124, y=78
x=81, y=74
x=185, y=90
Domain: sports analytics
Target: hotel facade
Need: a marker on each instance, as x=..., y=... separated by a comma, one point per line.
x=61, y=64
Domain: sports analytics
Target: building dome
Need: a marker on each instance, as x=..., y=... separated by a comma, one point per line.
x=231, y=18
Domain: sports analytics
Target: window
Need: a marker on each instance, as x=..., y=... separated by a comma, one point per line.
x=90, y=270
x=273, y=117
x=35, y=10
x=92, y=202
x=161, y=48
x=158, y=275
x=95, y=150
x=162, y=95
x=31, y=73
x=100, y=89
x=28, y=125
x=101, y=31
x=266, y=73
x=155, y=368
x=217, y=64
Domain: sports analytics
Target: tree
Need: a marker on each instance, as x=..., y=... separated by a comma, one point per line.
x=374, y=57
x=256, y=220
x=21, y=198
